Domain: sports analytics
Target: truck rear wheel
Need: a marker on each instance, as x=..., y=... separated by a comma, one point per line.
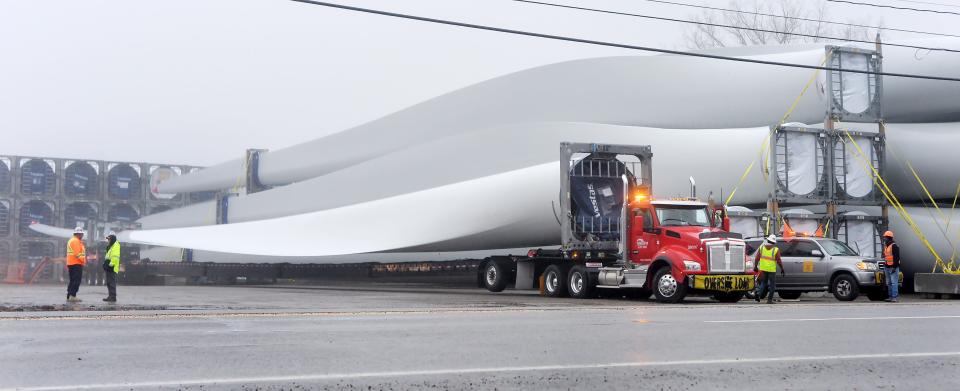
x=580, y=285
x=494, y=276
x=555, y=281
x=666, y=288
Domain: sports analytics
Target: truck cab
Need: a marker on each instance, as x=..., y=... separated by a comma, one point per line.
x=678, y=241
x=615, y=236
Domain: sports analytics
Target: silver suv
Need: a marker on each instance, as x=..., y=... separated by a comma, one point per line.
x=821, y=264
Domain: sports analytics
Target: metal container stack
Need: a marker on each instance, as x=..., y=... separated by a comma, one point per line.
x=95, y=195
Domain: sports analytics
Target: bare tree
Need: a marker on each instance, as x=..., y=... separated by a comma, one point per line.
x=781, y=21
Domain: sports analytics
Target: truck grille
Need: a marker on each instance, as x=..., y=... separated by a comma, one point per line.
x=724, y=259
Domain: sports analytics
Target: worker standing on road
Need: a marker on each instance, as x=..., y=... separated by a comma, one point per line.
x=76, y=258
x=891, y=270
x=111, y=265
x=768, y=258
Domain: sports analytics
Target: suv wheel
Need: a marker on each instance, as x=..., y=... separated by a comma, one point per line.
x=845, y=288
x=666, y=288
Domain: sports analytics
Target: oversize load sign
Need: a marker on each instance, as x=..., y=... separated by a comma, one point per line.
x=723, y=283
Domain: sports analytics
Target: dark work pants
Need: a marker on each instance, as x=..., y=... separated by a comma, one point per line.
x=111, y=283
x=768, y=285
x=76, y=274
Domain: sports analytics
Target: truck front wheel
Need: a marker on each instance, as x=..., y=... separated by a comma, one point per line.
x=494, y=277
x=555, y=281
x=580, y=284
x=666, y=288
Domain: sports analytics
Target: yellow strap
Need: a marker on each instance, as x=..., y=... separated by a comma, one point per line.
x=892, y=198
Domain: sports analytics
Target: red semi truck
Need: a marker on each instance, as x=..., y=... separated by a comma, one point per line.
x=614, y=235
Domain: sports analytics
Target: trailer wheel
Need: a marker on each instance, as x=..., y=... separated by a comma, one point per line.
x=666, y=288
x=554, y=281
x=494, y=277
x=845, y=288
x=580, y=284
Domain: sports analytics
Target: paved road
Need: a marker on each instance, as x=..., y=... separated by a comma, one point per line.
x=403, y=338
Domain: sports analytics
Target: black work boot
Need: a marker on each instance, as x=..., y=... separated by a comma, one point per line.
x=110, y=299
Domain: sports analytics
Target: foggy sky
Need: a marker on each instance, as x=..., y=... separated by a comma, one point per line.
x=199, y=81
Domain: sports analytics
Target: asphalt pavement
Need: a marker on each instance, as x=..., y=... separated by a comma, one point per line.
x=398, y=337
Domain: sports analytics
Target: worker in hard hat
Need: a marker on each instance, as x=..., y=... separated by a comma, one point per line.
x=767, y=261
x=111, y=265
x=891, y=266
x=76, y=258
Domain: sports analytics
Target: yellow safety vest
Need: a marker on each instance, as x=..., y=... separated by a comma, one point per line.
x=113, y=254
x=768, y=259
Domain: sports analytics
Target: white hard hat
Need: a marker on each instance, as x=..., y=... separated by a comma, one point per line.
x=772, y=239
x=78, y=230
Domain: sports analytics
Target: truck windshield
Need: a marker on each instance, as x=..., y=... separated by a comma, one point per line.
x=836, y=247
x=683, y=215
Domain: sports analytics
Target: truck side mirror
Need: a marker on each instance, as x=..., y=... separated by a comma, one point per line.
x=638, y=222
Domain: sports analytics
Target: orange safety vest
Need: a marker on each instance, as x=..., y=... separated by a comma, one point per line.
x=76, y=252
x=888, y=254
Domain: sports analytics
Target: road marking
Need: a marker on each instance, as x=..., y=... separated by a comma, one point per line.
x=829, y=319
x=443, y=372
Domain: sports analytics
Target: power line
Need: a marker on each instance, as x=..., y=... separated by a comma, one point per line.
x=824, y=37
x=895, y=7
x=929, y=3
x=801, y=19
x=616, y=45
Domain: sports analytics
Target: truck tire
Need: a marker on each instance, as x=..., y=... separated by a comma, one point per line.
x=845, y=288
x=580, y=284
x=666, y=288
x=789, y=295
x=728, y=297
x=494, y=276
x=555, y=281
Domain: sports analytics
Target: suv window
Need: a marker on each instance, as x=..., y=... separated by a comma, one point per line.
x=797, y=248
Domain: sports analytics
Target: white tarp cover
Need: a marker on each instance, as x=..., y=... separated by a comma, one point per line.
x=861, y=235
x=801, y=173
x=798, y=224
x=855, y=178
x=746, y=226
x=855, y=96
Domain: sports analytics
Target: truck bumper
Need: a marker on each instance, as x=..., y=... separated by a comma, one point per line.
x=721, y=283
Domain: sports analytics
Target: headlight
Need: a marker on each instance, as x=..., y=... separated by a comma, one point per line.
x=868, y=266
x=691, y=265
x=749, y=264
